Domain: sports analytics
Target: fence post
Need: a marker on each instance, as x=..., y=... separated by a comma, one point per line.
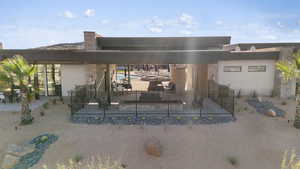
x=168, y=105
x=71, y=103
x=136, y=102
x=233, y=104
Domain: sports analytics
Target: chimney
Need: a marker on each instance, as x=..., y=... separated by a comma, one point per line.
x=1, y=45
x=90, y=42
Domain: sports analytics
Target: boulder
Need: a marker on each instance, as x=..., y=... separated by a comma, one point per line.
x=153, y=147
x=9, y=161
x=259, y=99
x=19, y=151
x=271, y=113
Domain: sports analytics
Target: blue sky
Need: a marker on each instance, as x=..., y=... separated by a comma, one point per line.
x=33, y=23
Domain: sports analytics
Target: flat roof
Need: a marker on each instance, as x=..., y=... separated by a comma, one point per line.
x=135, y=56
x=247, y=46
x=163, y=43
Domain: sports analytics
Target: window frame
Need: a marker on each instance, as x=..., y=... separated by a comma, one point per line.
x=232, y=67
x=258, y=69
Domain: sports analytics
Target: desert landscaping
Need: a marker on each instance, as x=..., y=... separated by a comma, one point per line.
x=252, y=141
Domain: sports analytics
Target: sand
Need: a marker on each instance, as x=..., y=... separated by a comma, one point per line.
x=256, y=141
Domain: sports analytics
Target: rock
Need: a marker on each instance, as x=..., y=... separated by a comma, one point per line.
x=9, y=161
x=271, y=113
x=20, y=151
x=259, y=99
x=153, y=147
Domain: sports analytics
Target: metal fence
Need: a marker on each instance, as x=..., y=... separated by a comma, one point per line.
x=147, y=103
x=222, y=95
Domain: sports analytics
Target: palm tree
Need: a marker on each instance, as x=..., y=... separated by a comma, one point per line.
x=290, y=70
x=17, y=69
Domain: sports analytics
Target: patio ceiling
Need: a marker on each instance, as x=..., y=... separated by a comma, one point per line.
x=135, y=57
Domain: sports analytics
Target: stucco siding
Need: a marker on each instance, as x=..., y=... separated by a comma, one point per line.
x=248, y=82
x=72, y=75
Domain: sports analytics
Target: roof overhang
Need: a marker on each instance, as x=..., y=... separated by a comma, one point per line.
x=136, y=57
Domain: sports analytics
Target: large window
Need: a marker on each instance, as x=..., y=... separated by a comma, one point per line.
x=49, y=79
x=260, y=68
x=232, y=68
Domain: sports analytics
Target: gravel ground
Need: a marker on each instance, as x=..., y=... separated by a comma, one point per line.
x=255, y=141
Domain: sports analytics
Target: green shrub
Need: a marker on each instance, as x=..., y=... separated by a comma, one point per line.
x=178, y=118
x=195, y=118
x=233, y=161
x=43, y=139
x=78, y=158
x=46, y=105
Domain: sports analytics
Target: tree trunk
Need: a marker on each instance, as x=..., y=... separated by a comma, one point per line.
x=297, y=115
x=25, y=110
x=12, y=92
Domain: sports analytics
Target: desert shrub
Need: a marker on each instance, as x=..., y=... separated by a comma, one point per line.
x=94, y=163
x=54, y=101
x=254, y=94
x=273, y=93
x=61, y=100
x=290, y=161
x=46, y=105
x=178, y=118
x=232, y=160
x=239, y=94
x=42, y=113
x=78, y=158
x=283, y=103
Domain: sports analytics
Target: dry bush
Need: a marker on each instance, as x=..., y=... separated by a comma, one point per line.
x=290, y=161
x=93, y=163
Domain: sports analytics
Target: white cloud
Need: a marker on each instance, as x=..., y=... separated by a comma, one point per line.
x=185, y=32
x=279, y=24
x=186, y=19
x=90, y=12
x=219, y=22
x=155, y=29
x=104, y=21
x=69, y=14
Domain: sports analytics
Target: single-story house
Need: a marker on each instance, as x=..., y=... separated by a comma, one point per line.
x=245, y=67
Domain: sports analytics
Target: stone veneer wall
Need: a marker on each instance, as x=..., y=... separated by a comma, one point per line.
x=281, y=87
x=212, y=72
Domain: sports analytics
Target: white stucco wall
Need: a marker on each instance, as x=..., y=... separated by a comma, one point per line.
x=260, y=82
x=72, y=75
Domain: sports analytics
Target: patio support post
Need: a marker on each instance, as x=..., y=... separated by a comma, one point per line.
x=36, y=86
x=46, y=81
x=108, y=85
x=128, y=74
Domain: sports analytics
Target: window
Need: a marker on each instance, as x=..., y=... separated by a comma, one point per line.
x=232, y=68
x=261, y=68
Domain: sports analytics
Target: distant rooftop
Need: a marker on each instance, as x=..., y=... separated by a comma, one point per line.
x=63, y=46
x=260, y=46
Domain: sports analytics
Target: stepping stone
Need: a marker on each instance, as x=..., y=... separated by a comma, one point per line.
x=271, y=113
x=153, y=147
x=19, y=151
x=9, y=161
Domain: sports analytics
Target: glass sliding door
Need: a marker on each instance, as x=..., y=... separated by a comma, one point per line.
x=49, y=80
